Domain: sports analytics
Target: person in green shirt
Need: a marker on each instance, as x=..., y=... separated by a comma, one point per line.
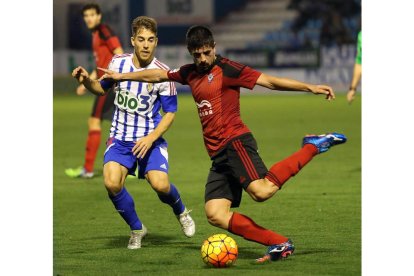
x=357, y=72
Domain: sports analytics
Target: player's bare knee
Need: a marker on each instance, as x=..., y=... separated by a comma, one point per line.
x=214, y=219
x=94, y=123
x=161, y=186
x=159, y=182
x=112, y=184
x=261, y=190
x=260, y=195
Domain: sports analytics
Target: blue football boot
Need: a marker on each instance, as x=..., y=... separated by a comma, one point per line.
x=277, y=252
x=324, y=141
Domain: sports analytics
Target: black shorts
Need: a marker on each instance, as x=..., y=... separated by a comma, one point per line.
x=103, y=107
x=233, y=169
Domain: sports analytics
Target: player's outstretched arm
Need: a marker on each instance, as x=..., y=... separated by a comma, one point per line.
x=150, y=75
x=81, y=89
x=285, y=84
x=83, y=77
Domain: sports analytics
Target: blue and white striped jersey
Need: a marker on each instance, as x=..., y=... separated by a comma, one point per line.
x=138, y=104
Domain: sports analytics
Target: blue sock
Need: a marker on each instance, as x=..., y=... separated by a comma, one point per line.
x=125, y=206
x=173, y=199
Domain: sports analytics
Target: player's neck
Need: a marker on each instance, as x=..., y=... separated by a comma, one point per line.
x=141, y=63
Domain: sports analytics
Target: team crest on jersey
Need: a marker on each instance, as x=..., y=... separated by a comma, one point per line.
x=150, y=87
x=210, y=77
x=204, y=108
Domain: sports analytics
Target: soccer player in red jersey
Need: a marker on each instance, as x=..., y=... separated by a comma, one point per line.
x=105, y=45
x=215, y=82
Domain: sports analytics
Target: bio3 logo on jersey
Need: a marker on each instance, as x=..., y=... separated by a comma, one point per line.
x=132, y=103
x=204, y=108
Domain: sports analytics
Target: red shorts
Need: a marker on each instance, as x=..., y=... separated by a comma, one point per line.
x=234, y=168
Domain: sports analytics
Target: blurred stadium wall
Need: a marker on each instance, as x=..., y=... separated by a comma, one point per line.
x=312, y=41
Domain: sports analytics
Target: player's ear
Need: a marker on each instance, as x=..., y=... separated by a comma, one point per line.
x=156, y=41
x=132, y=41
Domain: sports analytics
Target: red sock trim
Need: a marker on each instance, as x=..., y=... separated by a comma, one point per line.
x=272, y=178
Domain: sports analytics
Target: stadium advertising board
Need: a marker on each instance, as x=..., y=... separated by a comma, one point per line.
x=258, y=59
x=276, y=59
x=180, y=12
x=296, y=59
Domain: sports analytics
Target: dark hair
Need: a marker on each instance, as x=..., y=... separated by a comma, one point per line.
x=144, y=22
x=198, y=36
x=91, y=6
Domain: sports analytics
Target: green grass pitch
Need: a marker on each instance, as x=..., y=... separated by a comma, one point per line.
x=319, y=209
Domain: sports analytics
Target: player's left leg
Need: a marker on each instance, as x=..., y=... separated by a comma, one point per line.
x=218, y=214
x=155, y=169
x=101, y=109
x=222, y=193
x=91, y=149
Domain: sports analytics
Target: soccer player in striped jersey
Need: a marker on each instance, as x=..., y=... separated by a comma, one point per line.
x=215, y=82
x=105, y=45
x=137, y=129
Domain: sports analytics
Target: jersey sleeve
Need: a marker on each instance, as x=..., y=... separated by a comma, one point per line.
x=168, y=97
x=109, y=37
x=107, y=83
x=237, y=74
x=180, y=75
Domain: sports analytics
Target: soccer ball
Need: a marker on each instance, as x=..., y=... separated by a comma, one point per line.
x=219, y=250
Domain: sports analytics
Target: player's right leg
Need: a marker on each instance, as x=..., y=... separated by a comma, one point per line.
x=118, y=162
x=312, y=145
x=260, y=183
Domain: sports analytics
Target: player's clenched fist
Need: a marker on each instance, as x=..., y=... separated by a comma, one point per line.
x=80, y=74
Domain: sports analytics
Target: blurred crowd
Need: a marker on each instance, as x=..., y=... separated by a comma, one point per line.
x=339, y=20
x=318, y=23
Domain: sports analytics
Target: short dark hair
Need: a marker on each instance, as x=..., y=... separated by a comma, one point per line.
x=91, y=6
x=144, y=22
x=198, y=36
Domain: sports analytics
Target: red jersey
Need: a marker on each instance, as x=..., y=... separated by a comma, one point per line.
x=216, y=94
x=104, y=42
